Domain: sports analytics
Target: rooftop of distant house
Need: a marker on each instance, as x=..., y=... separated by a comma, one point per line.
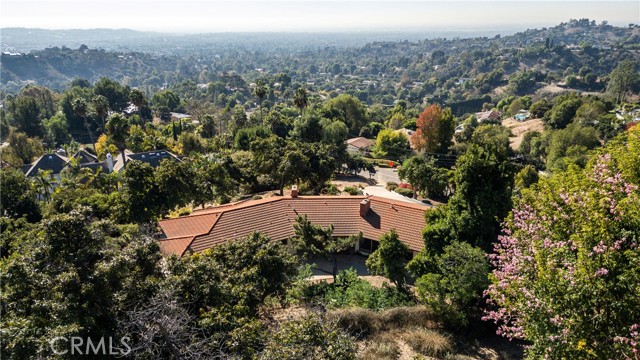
x=359, y=142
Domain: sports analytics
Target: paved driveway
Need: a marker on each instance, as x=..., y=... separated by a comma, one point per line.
x=383, y=175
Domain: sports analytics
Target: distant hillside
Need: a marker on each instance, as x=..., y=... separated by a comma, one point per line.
x=311, y=58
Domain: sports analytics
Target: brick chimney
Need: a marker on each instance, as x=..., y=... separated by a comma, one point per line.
x=365, y=205
x=294, y=191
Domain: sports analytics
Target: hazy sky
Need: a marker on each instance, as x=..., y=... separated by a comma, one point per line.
x=307, y=15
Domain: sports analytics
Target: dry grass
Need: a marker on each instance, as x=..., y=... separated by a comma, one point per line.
x=460, y=357
x=383, y=348
x=427, y=342
x=363, y=322
x=518, y=129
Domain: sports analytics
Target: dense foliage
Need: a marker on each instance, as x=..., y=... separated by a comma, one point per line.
x=566, y=266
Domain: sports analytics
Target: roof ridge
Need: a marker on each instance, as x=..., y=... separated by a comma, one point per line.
x=398, y=202
x=190, y=215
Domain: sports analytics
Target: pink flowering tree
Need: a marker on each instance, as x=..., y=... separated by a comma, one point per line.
x=566, y=272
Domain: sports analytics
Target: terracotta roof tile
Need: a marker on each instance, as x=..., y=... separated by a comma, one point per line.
x=175, y=245
x=360, y=142
x=275, y=217
x=188, y=225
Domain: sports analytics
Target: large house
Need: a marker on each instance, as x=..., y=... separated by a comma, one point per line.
x=370, y=215
x=56, y=162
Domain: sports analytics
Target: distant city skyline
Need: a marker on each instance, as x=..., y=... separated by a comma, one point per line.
x=192, y=16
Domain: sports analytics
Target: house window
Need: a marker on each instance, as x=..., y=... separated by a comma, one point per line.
x=367, y=245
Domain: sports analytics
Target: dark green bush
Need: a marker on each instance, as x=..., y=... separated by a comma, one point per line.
x=352, y=190
x=404, y=192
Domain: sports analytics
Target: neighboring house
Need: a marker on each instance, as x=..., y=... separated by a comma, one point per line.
x=90, y=161
x=372, y=216
x=179, y=116
x=488, y=115
x=359, y=145
x=459, y=129
x=56, y=162
x=84, y=157
x=53, y=161
x=152, y=158
x=409, y=134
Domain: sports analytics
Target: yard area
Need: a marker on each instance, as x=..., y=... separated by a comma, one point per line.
x=519, y=128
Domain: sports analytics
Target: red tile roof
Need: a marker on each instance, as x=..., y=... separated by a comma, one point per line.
x=360, y=142
x=175, y=245
x=275, y=217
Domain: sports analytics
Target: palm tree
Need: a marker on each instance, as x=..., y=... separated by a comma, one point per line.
x=43, y=182
x=101, y=105
x=118, y=131
x=80, y=108
x=137, y=98
x=92, y=176
x=74, y=173
x=260, y=91
x=301, y=99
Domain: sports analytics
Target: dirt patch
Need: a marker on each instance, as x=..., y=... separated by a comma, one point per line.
x=519, y=128
x=341, y=181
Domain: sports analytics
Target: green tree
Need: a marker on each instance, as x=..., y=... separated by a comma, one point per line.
x=16, y=198
x=522, y=82
x=166, y=98
x=347, y=109
x=142, y=194
x=317, y=241
x=101, y=106
x=494, y=136
x=117, y=95
x=22, y=148
x=424, y=176
x=73, y=278
x=118, y=130
x=176, y=187
x=43, y=183
x=562, y=113
x=307, y=128
x=26, y=116
x=260, y=91
x=334, y=132
x=623, y=79
x=455, y=286
x=81, y=109
x=56, y=130
x=570, y=145
x=389, y=259
x=391, y=144
x=301, y=99
x=138, y=99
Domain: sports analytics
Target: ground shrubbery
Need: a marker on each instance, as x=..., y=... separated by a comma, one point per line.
x=404, y=192
x=352, y=190
x=349, y=290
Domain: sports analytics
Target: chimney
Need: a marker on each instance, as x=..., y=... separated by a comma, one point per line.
x=294, y=191
x=110, y=162
x=365, y=205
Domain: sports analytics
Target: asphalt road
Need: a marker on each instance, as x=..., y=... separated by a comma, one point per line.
x=383, y=175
